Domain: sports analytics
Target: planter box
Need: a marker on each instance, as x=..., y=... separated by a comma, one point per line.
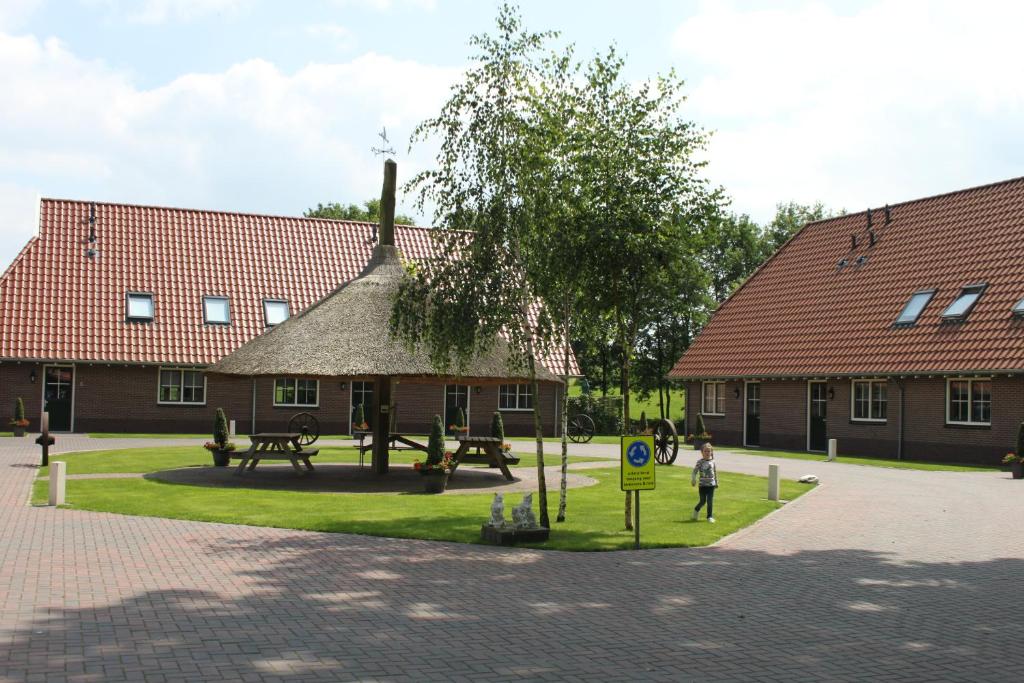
x=1017, y=469
x=221, y=458
x=435, y=483
x=511, y=536
x=18, y=431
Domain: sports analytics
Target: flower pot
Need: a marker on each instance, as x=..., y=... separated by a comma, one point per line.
x=435, y=482
x=18, y=431
x=221, y=458
x=698, y=444
x=1017, y=469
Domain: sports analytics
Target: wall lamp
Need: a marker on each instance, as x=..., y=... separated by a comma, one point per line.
x=32, y=376
x=344, y=385
x=831, y=393
x=736, y=392
x=477, y=389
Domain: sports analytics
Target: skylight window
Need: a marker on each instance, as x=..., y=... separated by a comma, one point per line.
x=912, y=311
x=216, y=310
x=1018, y=308
x=963, y=304
x=275, y=311
x=140, y=306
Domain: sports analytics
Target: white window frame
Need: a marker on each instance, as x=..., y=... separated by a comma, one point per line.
x=266, y=317
x=137, y=318
x=971, y=422
x=521, y=391
x=719, y=399
x=226, y=300
x=295, y=382
x=853, y=400
x=181, y=375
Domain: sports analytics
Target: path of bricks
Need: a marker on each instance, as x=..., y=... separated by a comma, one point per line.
x=877, y=575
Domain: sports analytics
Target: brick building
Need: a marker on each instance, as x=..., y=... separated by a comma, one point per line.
x=111, y=313
x=898, y=331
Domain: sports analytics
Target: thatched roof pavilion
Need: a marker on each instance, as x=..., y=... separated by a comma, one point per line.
x=347, y=334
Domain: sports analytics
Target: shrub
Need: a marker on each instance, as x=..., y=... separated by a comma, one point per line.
x=497, y=426
x=606, y=412
x=19, y=410
x=585, y=387
x=643, y=421
x=460, y=418
x=701, y=429
x=435, y=446
x=1020, y=440
x=220, y=428
x=360, y=417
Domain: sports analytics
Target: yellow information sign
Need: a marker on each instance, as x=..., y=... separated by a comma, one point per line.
x=637, y=463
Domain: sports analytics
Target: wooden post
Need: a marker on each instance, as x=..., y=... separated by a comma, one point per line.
x=58, y=475
x=773, y=482
x=381, y=424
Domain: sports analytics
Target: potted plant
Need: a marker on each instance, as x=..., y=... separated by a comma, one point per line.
x=359, y=420
x=1016, y=464
x=18, y=422
x=701, y=437
x=459, y=427
x=439, y=463
x=498, y=428
x=220, y=447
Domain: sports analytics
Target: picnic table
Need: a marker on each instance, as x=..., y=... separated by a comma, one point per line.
x=492, y=453
x=276, y=446
x=394, y=438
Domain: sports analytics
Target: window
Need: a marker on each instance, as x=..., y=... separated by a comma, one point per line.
x=963, y=304
x=969, y=401
x=870, y=400
x=182, y=387
x=296, y=392
x=275, y=311
x=713, y=398
x=515, y=397
x=1018, y=308
x=362, y=395
x=140, y=306
x=216, y=310
x=912, y=311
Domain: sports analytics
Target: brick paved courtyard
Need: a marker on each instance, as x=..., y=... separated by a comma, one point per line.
x=878, y=575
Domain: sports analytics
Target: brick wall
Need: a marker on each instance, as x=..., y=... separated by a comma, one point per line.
x=727, y=429
x=124, y=399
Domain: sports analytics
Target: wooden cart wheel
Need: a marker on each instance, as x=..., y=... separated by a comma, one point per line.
x=581, y=429
x=306, y=425
x=666, y=442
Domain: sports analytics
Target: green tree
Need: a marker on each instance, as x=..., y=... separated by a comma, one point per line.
x=789, y=218
x=369, y=212
x=494, y=176
x=220, y=428
x=435, y=444
x=497, y=427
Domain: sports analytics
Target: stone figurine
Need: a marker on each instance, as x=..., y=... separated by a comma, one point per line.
x=522, y=514
x=498, y=511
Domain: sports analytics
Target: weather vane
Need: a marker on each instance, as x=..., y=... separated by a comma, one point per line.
x=386, y=148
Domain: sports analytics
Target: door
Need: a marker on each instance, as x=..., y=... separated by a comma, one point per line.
x=455, y=396
x=752, y=434
x=817, y=408
x=362, y=395
x=58, y=392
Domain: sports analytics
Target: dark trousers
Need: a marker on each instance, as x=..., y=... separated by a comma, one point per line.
x=707, y=495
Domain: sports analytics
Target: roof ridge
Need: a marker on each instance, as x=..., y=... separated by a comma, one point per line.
x=224, y=212
x=21, y=254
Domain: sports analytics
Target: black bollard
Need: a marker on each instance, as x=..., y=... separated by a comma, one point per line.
x=45, y=440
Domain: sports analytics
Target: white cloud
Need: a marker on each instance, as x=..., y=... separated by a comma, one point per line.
x=387, y=5
x=164, y=11
x=250, y=138
x=340, y=36
x=882, y=104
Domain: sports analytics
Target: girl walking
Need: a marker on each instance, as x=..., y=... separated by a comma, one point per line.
x=704, y=470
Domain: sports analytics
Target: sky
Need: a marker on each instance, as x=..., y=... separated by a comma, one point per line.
x=271, y=107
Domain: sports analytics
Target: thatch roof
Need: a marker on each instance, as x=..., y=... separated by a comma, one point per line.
x=347, y=335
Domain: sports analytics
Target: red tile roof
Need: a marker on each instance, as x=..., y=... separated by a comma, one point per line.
x=800, y=315
x=56, y=303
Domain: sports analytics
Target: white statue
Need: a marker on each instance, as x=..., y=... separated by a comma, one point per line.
x=522, y=514
x=498, y=511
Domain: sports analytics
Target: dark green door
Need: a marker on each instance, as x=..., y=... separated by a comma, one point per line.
x=57, y=394
x=753, y=410
x=818, y=407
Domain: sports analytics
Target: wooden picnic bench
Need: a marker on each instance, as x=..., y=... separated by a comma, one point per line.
x=492, y=454
x=276, y=446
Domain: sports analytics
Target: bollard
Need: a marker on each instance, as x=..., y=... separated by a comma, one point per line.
x=58, y=475
x=773, y=482
x=45, y=440
x=832, y=447
x=231, y=428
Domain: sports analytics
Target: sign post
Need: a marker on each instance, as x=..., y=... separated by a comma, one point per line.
x=637, y=472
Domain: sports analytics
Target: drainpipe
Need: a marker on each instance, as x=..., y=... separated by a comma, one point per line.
x=252, y=427
x=899, y=444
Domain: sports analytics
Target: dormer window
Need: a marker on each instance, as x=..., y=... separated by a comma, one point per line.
x=275, y=311
x=962, y=305
x=216, y=310
x=139, y=307
x=912, y=311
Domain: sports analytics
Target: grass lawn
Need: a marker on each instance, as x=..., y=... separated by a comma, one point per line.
x=136, y=435
x=558, y=440
x=636, y=404
x=595, y=513
x=858, y=460
x=144, y=460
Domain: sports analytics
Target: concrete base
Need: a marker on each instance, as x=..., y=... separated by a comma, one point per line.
x=512, y=536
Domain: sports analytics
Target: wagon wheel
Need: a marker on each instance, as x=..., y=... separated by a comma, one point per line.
x=306, y=426
x=581, y=429
x=666, y=442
